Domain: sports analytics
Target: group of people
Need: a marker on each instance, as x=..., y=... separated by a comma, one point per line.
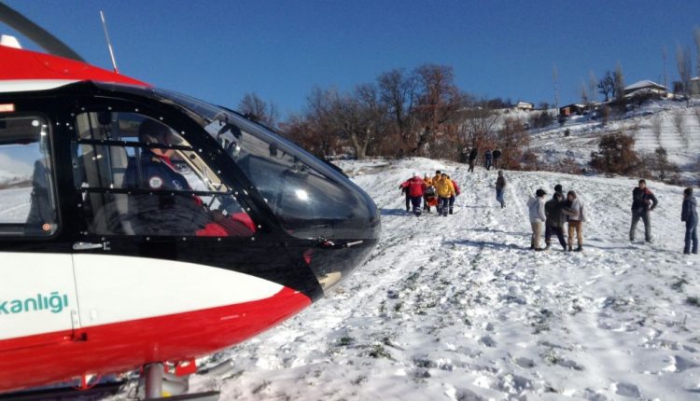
x=553, y=215
x=490, y=158
x=439, y=191
x=560, y=210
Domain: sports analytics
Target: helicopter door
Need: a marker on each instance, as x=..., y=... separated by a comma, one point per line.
x=37, y=290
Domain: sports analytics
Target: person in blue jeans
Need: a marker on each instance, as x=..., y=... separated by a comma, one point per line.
x=500, y=188
x=689, y=214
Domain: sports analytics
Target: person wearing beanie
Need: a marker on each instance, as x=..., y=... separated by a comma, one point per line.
x=535, y=207
x=689, y=214
x=576, y=216
x=445, y=190
x=558, y=189
x=414, y=188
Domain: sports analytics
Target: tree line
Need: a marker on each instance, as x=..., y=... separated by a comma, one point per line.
x=402, y=113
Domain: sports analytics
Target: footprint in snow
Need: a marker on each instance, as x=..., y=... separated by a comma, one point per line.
x=626, y=390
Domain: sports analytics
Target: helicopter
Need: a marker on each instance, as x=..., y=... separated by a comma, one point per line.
x=141, y=228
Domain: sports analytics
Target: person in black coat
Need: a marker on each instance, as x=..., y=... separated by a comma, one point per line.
x=472, y=158
x=689, y=214
x=643, y=202
x=555, y=220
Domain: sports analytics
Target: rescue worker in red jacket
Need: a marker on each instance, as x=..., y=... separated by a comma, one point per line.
x=414, y=188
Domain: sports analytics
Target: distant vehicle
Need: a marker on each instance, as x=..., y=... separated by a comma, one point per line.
x=141, y=228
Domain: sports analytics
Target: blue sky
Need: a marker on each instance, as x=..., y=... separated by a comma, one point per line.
x=220, y=50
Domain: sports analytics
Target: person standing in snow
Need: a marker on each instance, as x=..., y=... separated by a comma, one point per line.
x=456, y=194
x=488, y=159
x=689, y=214
x=472, y=159
x=445, y=190
x=414, y=189
x=643, y=202
x=408, y=197
x=428, y=193
x=575, y=215
x=555, y=220
x=500, y=188
x=537, y=217
x=558, y=189
x=496, y=156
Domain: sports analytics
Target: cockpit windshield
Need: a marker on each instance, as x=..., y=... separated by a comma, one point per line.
x=310, y=198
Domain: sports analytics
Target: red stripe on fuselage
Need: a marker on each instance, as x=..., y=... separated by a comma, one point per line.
x=18, y=64
x=124, y=346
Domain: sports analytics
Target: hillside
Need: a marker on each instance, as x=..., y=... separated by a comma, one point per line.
x=683, y=147
x=458, y=308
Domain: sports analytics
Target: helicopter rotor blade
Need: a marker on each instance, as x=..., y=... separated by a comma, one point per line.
x=37, y=34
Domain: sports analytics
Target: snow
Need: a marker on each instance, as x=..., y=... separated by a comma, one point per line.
x=15, y=204
x=458, y=308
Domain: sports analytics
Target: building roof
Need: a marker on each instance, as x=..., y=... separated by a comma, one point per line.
x=645, y=84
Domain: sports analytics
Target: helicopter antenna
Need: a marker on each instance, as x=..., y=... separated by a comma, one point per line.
x=109, y=42
x=36, y=33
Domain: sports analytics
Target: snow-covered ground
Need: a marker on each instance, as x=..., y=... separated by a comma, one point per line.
x=458, y=308
x=15, y=204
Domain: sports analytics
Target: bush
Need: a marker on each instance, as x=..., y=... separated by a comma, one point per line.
x=615, y=154
x=541, y=120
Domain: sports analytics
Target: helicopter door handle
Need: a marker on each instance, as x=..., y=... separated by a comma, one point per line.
x=85, y=246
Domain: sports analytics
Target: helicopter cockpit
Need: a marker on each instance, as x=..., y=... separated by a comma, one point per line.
x=311, y=199
x=170, y=189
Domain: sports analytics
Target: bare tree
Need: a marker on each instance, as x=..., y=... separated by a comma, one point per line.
x=555, y=78
x=364, y=116
x=683, y=63
x=664, y=57
x=257, y=109
x=477, y=126
x=584, y=93
x=512, y=140
x=592, y=84
x=696, y=36
x=679, y=123
x=397, y=91
x=438, y=98
x=619, y=83
x=656, y=124
x=606, y=85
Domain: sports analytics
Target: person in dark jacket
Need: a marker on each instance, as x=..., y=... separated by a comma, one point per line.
x=496, y=156
x=555, y=220
x=558, y=189
x=689, y=214
x=643, y=202
x=488, y=159
x=414, y=188
x=500, y=188
x=472, y=159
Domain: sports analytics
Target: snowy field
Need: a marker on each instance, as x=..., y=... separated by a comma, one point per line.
x=15, y=204
x=458, y=308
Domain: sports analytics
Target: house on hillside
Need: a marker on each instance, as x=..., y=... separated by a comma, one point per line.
x=695, y=86
x=645, y=88
x=570, y=109
x=525, y=106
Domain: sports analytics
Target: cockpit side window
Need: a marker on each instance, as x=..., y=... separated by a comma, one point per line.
x=138, y=176
x=27, y=196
